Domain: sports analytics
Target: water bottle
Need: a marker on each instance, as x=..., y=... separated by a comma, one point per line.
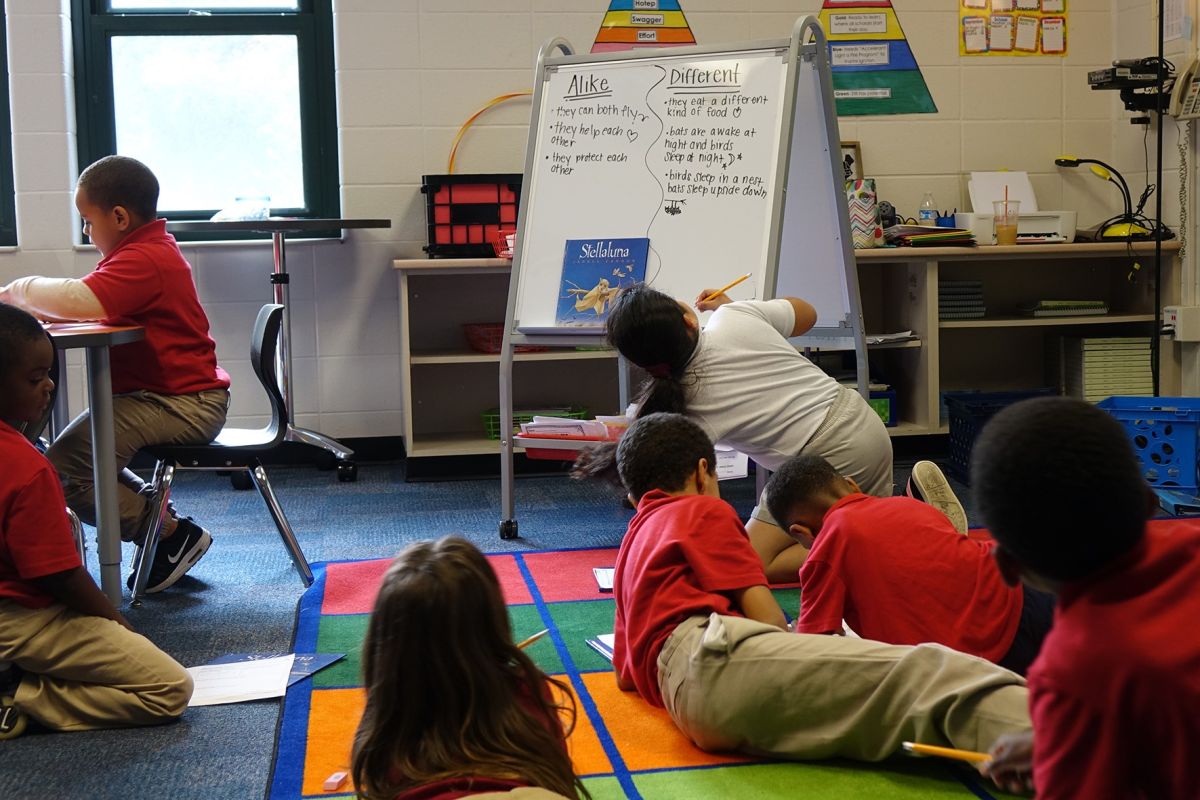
x=928, y=213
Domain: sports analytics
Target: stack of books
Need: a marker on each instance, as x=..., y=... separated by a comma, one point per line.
x=1095, y=368
x=926, y=236
x=1063, y=308
x=960, y=300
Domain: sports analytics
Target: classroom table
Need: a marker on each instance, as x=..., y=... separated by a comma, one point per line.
x=96, y=339
x=279, y=227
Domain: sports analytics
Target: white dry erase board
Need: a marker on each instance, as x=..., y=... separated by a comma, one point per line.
x=721, y=157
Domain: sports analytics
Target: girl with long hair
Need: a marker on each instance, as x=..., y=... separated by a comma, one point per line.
x=454, y=708
x=749, y=388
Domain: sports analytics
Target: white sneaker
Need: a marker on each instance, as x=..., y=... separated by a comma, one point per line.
x=929, y=485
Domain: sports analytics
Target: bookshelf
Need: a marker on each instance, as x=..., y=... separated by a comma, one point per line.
x=1003, y=350
x=446, y=385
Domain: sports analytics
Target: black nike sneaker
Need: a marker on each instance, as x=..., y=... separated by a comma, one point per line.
x=175, y=556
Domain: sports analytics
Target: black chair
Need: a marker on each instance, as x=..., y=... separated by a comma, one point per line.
x=233, y=449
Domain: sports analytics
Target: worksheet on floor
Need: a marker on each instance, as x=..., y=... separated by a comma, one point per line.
x=216, y=684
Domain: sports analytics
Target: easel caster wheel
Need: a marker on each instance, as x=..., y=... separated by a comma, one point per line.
x=241, y=480
x=347, y=472
x=508, y=529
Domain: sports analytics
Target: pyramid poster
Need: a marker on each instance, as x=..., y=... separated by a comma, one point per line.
x=874, y=71
x=642, y=23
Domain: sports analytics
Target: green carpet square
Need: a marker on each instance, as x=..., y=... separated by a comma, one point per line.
x=341, y=633
x=525, y=622
x=833, y=780
x=789, y=601
x=585, y=619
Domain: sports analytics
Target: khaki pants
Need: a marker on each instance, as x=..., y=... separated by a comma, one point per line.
x=736, y=684
x=855, y=441
x=140, y=419
x=85, y=672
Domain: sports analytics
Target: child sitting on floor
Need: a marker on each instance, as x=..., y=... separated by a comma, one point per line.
x=454, y=708
x=1115, y=693
x=167, y=388
x=698, y=631
x=898, y=571
x=75, y=664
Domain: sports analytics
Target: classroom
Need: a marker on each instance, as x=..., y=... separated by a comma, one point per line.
x=400, y=356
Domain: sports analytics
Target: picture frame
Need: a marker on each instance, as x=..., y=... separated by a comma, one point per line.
x=852, y=161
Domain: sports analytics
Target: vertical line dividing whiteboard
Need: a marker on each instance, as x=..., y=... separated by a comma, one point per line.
x=725, y=157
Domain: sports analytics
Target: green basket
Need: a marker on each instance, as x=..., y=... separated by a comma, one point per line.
x=491, y=418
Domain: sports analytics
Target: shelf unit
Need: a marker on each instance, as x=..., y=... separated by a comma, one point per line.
x=446, y=386
x=1003, y=351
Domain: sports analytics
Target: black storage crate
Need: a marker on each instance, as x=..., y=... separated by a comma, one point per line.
x=969, y=412
x=466, y=212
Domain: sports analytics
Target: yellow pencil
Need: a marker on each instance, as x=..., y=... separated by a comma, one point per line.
x=525, y=643
x=945, y=752
x=725, y=289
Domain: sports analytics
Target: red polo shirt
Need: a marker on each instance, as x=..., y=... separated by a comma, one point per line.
x=1115, y=693
x=898, y=572
x=146, y=281
x=682, y=556
x=35, y=536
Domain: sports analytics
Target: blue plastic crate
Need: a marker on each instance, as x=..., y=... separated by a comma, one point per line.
x=968, y=413
x=1164, y=432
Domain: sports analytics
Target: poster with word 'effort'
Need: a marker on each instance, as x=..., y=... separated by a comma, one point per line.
x=1012, y=27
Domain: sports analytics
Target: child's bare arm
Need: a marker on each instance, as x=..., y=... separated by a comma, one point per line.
x=759, y=604
x=75, y=589
x=54, y=299
x=806, y=316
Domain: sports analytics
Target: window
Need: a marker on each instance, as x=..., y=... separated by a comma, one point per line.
x=8, y=210
x=234, y=100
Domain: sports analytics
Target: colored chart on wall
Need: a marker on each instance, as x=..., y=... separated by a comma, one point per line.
x=642, y=23
x=874, y=70
x=1012, y=28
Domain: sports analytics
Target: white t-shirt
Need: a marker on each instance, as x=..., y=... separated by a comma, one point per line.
x=749, y=388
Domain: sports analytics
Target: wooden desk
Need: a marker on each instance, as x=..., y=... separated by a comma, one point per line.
x=96, y=339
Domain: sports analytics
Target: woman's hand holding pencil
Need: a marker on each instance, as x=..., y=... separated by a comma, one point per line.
x=710, y=299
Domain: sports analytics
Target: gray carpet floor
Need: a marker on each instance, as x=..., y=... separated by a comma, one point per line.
x=242, y=597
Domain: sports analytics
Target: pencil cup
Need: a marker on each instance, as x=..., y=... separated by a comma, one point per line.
x=1005, y=214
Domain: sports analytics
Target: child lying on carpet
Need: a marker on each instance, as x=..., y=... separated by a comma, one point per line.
x=898, y=571
x=698, y=632
x=75, y=663
x=1115, y=693
x=454, y=708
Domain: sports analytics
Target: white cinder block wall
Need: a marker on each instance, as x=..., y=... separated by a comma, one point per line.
x=409, y=72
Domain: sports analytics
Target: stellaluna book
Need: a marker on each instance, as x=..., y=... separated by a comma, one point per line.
x=594, y=272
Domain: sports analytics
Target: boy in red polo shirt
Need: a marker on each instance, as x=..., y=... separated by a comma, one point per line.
x=698, y=632
x=167, y=388
x=1115, y=693
x=898, y=571
x=78, y=664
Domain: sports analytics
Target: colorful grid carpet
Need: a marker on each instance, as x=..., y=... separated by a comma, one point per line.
x=622, y=746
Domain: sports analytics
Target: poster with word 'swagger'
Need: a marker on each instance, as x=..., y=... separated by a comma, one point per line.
x=682, y=151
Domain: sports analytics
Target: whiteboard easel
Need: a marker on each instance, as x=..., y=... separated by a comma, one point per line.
x=765, y=183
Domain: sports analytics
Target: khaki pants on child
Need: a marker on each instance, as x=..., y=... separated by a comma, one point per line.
x=733, y=684
x=84, y=672
x=854, y=440
x=140, y=419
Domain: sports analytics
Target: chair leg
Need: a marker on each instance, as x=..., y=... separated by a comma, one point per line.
x=164, y=475
x=259, y=476
x=77, y=532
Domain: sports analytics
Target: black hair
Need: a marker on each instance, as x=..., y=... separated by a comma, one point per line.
x=660, y=451
x=1057, y=483
x=122, y=181
x=801, y=479
x=18, y=329
x=648, y=328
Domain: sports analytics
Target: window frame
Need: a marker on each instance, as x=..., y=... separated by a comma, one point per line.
x=8, y=188
x=94, y=25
